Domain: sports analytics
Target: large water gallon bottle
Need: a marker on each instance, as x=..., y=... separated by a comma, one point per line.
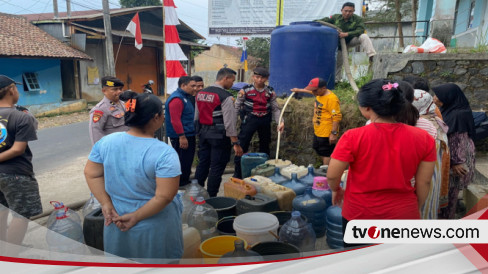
x=65, y=235
x=277, y=177
x=60, y=207
x=192, y=190
x=296, y=185
x=240, y=255
x=335, y=237
x=204, y=218
x=313, y=208
x=90, y=205
x=308, y=179
x=250, y=161
x=321, y=189
x=298, y=232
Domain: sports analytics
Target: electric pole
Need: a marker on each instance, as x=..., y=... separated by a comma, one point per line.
x=68, y=8
x=55, y=8
x=109, y=47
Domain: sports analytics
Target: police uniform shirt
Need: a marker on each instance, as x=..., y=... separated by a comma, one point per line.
x=105, y=118
x=275, y=108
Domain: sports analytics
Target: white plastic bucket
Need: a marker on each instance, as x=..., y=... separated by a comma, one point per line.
x=255, y=227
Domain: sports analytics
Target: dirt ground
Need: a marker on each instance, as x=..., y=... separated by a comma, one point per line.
x=63, y=119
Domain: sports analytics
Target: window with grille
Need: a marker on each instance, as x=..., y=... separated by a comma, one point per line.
x=30, y=81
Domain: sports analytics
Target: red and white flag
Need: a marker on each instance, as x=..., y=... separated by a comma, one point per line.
x=174, y=54
x=134, y=27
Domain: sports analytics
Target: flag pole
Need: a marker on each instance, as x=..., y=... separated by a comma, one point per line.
x=120, y=44
x=164, y=58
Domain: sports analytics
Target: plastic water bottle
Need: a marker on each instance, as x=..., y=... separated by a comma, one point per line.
x=60, y=207
x=296, y=185
x=192, y=190
x=65, y=235
x=90, y=205
x=277, y=177
x=308, y=179
x=313, y=208
x=204, y=218
x=240, y=255
x=321, y=189
x=298, y=232
x=335, y=237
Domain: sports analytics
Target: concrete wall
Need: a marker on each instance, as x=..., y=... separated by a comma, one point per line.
x=89, y=92
x=48, y=74
x=376, y=31
x=209, y=77
x=468, y=71
x=215, y=59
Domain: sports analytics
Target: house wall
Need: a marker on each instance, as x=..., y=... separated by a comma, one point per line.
x=92, y=92
x=48, y=74
x=425, y=10
x=474, y=35
x=215, y=58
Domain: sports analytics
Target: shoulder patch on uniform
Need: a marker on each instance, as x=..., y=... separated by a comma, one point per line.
x=97, y=114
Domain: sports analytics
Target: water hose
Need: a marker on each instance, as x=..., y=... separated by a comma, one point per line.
x=345, y=58
x=279, y=123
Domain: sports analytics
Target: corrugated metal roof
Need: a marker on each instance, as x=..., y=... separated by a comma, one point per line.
x=19, y=38
x=158, y=38
x=151, y=19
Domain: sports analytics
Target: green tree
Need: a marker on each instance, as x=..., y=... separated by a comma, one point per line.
x=386, y=11
x=139, y=3
x=258, y=47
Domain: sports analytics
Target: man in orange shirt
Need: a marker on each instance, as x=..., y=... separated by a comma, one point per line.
x=326, y=117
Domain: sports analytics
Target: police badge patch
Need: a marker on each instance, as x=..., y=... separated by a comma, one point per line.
x=97, y=115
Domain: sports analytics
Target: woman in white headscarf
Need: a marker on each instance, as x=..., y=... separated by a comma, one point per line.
x=438, y=194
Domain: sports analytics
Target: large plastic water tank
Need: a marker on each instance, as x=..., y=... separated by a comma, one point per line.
x=300, y=52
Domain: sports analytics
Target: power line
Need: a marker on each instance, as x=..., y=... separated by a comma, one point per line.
x=184, y=1
x=22, y=8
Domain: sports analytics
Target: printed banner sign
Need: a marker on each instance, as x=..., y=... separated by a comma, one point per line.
x=259, y=17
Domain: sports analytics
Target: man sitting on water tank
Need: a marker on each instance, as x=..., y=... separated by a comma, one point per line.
x=352, y=27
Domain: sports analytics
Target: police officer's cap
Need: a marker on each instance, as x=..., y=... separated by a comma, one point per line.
x=261, y=71
x=6, y=81
x=110, y=81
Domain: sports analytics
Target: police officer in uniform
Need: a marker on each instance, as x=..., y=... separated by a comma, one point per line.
x=216, y=119
x=257, y=106
x=108, y=115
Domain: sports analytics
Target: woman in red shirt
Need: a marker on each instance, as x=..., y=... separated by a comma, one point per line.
x=383, y=157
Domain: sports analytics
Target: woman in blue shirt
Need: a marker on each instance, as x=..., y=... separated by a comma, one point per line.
x=136, y=177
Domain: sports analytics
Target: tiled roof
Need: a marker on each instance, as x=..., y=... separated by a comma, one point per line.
x=19, y=38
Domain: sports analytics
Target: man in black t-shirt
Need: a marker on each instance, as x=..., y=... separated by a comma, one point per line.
x=19, y=190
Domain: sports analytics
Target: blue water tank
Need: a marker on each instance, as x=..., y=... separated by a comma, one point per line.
x=300, y=52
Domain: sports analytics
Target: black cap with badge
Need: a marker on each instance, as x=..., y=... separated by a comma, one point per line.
x=6, y=81
x=110, y=81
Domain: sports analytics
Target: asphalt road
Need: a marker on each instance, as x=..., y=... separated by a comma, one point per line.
x=57, y=146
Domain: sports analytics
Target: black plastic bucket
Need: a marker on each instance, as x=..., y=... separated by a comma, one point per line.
x=276, y=250
x=225, y=206
x=93, y=229
x=225, y=226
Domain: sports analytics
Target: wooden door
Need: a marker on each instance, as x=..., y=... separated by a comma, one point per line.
x=136, y=67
